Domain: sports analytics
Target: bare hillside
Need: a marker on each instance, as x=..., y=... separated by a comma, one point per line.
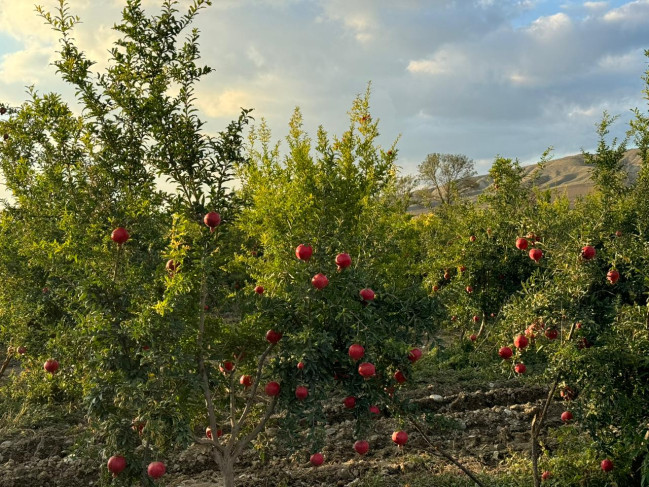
x=568, y=175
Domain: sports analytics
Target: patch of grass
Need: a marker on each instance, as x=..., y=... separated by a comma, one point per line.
x=451, y=370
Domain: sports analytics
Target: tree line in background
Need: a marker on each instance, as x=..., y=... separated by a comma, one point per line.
x=198, y=316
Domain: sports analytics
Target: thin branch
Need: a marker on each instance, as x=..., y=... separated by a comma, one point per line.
x=537, y=421
x=201, y=366
x=251, y=397
x=253, y=434
x=436, y=450
x=5, y=364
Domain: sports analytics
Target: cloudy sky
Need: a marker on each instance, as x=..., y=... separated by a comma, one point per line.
x=478, y=77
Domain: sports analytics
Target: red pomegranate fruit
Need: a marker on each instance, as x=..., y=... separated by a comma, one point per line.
x=304, y=252
x=320, y=281
x=272, y=389
x=156, y=470
x=367, y=370
x=301, y=393
x=116, y=465
x=356, y=351
x=119, y=235
x=343, y=261
x=400, y=437
x=51, y=365
x=362, y=447
x=273, y=336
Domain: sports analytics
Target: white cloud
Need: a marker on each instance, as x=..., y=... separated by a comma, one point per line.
x=227, y=104
x=625, y=63
x=595, y=5
x=478, y=77
x=18, y=67
x=446, y=60
x=551, y=25
x=636, y=12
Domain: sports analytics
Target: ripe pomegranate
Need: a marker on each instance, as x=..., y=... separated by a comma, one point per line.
x=505, y=353
x=435, y=288
x=367, y=294
x=613, y=276
x=551, y=334
x=156, y=470
x=447, y=275
x=356, y=351
x=521, y=243
x=606, y=465
x=472, y=238
x=119, y=235
x=521, y=341
x=22, y=350
x=208, y=433
x=301, y=392
x=316, y=459
x=212, y=220
x=3, y=110
x=273, y=336
x=453, y=318
x=367, y=370
x=227, y=367
x=588, y=252
x=303, y=252
x=259, y=289
x=578, y=326
x=520, y=368
x=116, y=465
x=618, y=233
x=51, y=365
x=171, y=266
x=362, y=447
x=529, y=332
x=375, y=410
x=414, y=355
x=566, y=416
x=272, y=388
x=206, y=308
x=476, y=318
x=349, y=402
x=461, y=269
x=546, y=475
x=320, y=281
x=473, y=337
x=343, y=261
x=536, y=254
x=399, y=377
x=245, y=381
x=400, y=437
x=300, y=365
x=469, y=289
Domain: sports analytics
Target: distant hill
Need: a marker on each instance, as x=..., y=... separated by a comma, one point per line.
x=568, y=176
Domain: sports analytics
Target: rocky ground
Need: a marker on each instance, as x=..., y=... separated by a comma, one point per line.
x=481, y=428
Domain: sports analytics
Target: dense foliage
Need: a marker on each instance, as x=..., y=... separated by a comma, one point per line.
x=157, y=317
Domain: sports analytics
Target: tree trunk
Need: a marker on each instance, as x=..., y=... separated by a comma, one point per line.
x=226, y=465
